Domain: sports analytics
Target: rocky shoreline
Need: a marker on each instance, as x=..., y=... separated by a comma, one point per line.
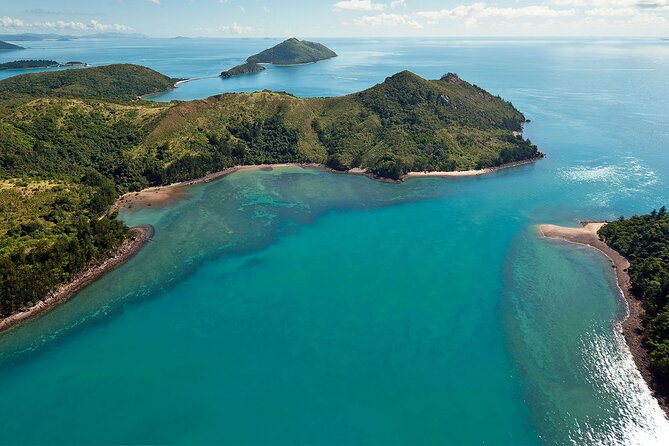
x=632, y=326
x=130, y=247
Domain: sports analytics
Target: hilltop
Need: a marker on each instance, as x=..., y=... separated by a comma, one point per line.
x=293, y=51
x=9, y=46
x=73, y=141
x=289, y=52
x=247, y=68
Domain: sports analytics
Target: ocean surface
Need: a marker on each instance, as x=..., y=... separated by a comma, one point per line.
x=300, y=306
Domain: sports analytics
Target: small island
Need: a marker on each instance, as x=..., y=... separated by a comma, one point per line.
x=247, y=68
x=9, y=46
x=289, y=52
x=32, y=64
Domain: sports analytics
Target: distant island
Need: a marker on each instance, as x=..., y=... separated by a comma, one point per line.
x=75, y=140
x=9, y=46
x=638, y=248
x=27, y=64
x=288, y=52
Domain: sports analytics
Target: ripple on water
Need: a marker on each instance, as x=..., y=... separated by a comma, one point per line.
x=607, y=182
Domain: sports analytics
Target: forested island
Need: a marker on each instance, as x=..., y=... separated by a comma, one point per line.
x=9, y=46
x=37, y=63
x=289, y=52
x=72, y=141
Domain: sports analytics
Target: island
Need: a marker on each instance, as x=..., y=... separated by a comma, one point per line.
x=638, y=248
x=9, y=46
x=28, y=64
x=74, y=141
x=289, y=52
x=247, y=68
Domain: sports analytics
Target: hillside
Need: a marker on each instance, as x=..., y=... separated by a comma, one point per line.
x=9, y=46
x=122, y=82
x=293, y=51
x=72, y=141
x=644, y=241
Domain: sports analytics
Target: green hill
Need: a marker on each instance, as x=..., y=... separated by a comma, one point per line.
x=247, y=68
x=72, y=141
x=122, y=82
x=9, y=46
x=293, y=51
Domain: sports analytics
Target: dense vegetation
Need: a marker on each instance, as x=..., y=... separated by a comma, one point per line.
x=293, y=51
x=644, y=241
x=288, y=52
x=113, y=82
x=18, y=64
x=72, y=141
x=247, y=68
x=9, y=46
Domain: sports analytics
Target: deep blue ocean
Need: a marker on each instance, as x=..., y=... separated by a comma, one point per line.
x=300, y=306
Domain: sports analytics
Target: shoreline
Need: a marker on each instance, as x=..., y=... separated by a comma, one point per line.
x=169, y=192
x=468, y=173
x=65, y=291
x=631, y=325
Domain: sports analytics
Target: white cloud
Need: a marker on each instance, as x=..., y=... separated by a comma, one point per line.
x=94, y=25
x=473, y=12
x=11, y=22
x=236, y=29
x=397, y=3
x=97, y=26
x=358, y=5
x=384, y=19
x=155, y=2
x=60, y=24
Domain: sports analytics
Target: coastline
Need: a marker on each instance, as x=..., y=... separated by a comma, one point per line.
x=468, y=173
x=169, y=192
x=65, y=291
x=632, y=326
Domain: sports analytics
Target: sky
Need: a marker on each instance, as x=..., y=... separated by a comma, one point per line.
x=338, y=18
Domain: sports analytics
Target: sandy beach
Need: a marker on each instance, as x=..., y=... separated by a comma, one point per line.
x=128, y=249
x=164, y=194
x=467, y=173
x=632, y=325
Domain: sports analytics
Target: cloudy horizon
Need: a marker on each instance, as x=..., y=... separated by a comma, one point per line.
x=344, y=18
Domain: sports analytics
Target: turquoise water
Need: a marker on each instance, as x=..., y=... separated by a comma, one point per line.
x=300, y=306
